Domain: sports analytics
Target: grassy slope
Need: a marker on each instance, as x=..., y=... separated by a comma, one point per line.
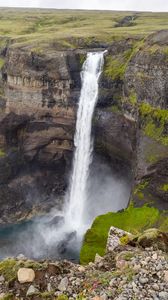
x=39, y=27
x=134, y=220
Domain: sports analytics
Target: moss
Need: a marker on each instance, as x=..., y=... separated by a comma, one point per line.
x=33, y=264
x=133, y=98
x=155, y=121
x=124, y=239
x=8, y=297
x=114, y=109
x=164, y=187
x=133, y=220
x=114, y=68
x=128, y=255
x=47, y=295
x=82, y=58
x=9, y=268
x=2, y=153
x=2, y=62
x=141, y=187
x=62, y=297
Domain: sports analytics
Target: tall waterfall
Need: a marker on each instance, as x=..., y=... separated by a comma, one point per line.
x=91, y=71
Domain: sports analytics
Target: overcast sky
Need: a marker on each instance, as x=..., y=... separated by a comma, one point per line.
x=152, y=5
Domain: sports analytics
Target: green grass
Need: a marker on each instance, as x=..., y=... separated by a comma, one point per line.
x=39, y=28
x=133, y=220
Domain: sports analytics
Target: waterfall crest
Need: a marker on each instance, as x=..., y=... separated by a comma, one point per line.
x=77, y=193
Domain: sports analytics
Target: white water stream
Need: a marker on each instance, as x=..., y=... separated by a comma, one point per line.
x=77, y=194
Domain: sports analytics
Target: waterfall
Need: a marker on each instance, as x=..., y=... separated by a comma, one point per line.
x=77, y=194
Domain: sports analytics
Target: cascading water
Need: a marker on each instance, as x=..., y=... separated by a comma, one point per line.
x=77, y=194
x=59, y=234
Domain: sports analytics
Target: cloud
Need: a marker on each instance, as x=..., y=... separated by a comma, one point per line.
x=142, y=5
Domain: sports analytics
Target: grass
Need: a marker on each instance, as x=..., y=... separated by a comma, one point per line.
x=10, y=266
x=133, y=220
x=40, y=27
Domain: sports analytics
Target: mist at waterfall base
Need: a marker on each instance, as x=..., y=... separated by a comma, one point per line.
x=94, y=189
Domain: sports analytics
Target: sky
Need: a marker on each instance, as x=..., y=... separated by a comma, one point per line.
x=140, y=5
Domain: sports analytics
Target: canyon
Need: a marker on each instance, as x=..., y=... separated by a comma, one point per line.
x=39, y=93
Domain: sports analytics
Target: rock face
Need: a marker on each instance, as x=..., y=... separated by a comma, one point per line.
x=38, y=100
x=36, y=130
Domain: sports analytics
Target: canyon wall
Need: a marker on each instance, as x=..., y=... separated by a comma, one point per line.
x=38, y=100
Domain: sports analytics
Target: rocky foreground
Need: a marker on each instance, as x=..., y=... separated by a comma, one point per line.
x=128, y=272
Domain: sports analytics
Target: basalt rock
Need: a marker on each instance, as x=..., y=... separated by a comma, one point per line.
x=37, y=122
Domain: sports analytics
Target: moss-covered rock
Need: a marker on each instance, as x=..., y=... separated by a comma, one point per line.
x=133, y=220
x=153, y=238
x=154, y=122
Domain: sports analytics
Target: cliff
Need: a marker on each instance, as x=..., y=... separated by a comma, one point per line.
x=39, y=95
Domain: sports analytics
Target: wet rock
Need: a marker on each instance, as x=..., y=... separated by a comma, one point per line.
x=26, y=275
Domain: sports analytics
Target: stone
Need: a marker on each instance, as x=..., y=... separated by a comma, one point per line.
x=163, y=296
x=26, y=275
x=49, y=287
x=98, y=259
x=2, y=279
x=166, y=276
x=2, y=296
x=32, y=291
x=155, y=287
x=103, y=297
x=81, y=269
x=114, y=236
x=121, y=264
x=63, y=284
x=155, y=256
x=143, y=280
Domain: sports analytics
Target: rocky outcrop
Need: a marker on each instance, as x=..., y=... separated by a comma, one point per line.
x=36, y=132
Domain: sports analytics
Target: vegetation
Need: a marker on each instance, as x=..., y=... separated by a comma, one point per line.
x=10, y=266
x=40, y=28
x=8, y=296
x=164, y=187
x=133, y=220
x=154, y=122
x=2, y=153
x=2, y=61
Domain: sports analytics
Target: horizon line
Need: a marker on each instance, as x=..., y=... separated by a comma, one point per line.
x=81, y=9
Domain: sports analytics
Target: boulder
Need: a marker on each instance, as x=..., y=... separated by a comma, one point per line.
x=26, y=275
x=153, y=238
x=116, y=237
